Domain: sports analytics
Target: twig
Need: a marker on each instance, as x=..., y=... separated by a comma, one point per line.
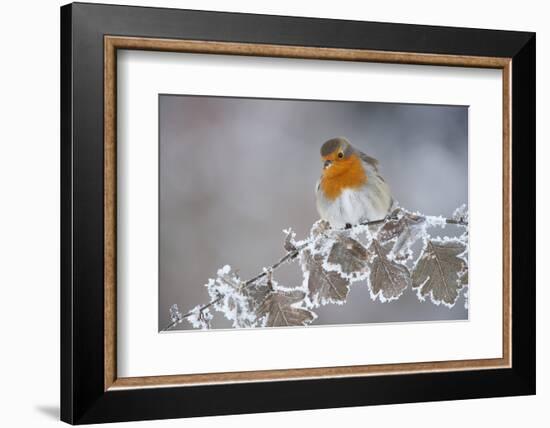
x=459, y=222
x=188, y=314
x=289, y=256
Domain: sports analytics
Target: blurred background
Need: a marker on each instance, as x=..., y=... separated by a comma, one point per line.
x=234, y=172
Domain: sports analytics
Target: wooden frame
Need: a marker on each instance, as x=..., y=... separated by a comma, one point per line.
x=513, y=53
x=112, y=43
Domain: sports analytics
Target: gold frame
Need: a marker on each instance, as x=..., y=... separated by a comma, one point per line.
x=112, y=43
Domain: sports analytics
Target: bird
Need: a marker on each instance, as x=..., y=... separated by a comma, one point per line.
x=350, y=190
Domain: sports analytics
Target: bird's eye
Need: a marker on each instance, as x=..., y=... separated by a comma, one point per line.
x=340, y=155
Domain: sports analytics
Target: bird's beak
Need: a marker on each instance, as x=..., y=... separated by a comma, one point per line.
x=327, y=164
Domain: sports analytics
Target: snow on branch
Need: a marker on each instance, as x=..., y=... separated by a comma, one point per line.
x=380, y=253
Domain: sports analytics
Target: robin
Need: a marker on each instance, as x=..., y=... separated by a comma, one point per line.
x=350, y=190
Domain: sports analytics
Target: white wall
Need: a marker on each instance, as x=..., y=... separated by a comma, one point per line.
x=29, y=213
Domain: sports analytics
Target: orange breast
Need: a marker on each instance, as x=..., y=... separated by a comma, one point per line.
x=341, y=175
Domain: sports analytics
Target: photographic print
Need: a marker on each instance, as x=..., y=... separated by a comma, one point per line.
x=294, y=183
x=303, y=213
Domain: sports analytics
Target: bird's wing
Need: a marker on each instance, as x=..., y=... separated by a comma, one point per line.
x=370, y=160
x=376, y=183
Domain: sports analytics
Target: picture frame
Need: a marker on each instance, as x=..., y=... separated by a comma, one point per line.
x=91, y=390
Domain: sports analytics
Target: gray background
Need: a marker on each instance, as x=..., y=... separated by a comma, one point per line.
x=234, y=172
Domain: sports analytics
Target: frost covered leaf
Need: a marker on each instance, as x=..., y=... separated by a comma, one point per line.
x=405, y=230
x=290, y=240
x=388, y=279
x=349, y=255
x=175, y=314
x=280, y=309
x=323, y=286
x=405, y=224
x=319, y=227
x=200, y=317
x=256, y=293
x=227, y=291
x=437, y=271
x=392, y=227
x=464, y=279
x=461, y=214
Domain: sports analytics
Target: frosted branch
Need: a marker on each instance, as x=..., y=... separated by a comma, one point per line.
x=332, y=260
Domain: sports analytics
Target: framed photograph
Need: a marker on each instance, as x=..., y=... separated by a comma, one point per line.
x=265, y=213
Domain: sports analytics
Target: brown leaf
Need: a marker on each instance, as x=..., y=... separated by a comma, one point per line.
x=349, y=254
x=319, y=228
x=289, y=244
x=387, y=277
x=256, y=294
x=396, y=227
x=405, y=230
x=437, y=271
x=464, y=277
x=392, y=227
x=323, y=286
x=279, y=308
